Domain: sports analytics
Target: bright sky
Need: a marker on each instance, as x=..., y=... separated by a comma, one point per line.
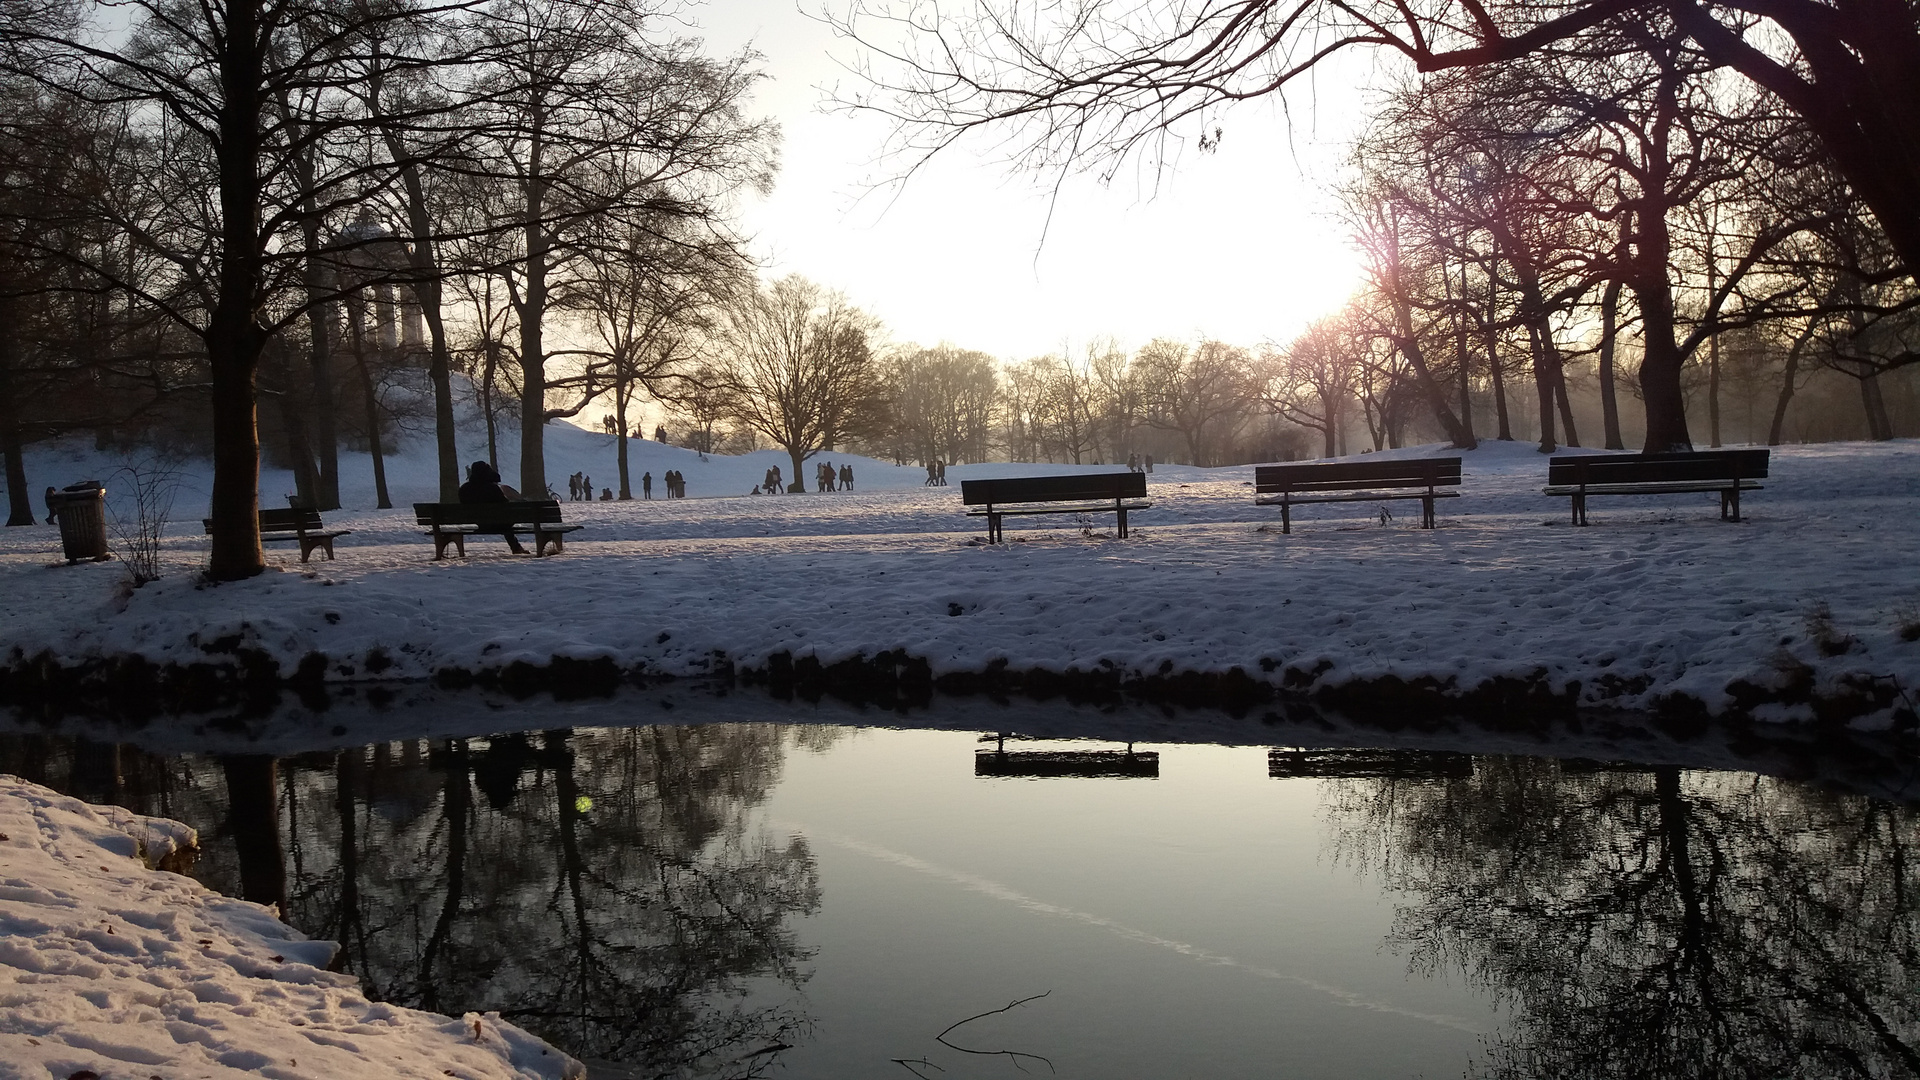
x=1238, y=245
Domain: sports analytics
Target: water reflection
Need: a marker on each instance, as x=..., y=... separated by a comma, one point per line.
x=1654, y=922
x=603, y=889
x=621, y=892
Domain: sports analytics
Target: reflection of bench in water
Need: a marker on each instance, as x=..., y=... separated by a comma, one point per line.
x=1094, y=763
x=1355, y=762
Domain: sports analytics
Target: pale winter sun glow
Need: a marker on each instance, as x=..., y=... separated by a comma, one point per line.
x=1238, y=244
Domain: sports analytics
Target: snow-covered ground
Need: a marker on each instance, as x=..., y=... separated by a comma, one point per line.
x=1658, y=596
x=112, y=970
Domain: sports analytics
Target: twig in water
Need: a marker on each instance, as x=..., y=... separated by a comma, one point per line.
x=1011, y=1055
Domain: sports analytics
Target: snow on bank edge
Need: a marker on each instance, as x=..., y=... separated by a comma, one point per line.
x=110, y=968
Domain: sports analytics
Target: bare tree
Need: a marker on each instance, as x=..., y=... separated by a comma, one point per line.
x=796, y=365
x=1097, y=84
x=598, y=112
x=1311, y=383
x=1205, y=393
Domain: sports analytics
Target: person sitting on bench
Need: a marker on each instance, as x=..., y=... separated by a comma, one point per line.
x=483, y=486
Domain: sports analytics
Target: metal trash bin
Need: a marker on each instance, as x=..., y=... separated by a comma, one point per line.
x=82, y=509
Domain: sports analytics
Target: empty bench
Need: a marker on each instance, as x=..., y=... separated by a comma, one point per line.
x=1288, y=486
x=1090, y=493
x=294, y=526
x=452, y=523
x=1728, y=472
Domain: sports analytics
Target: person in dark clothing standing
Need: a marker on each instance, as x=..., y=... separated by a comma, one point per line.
x=646, y=485
x=53, y=512
x=483, y=486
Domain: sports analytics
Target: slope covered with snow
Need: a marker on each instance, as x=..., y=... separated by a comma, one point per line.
x=114, y=970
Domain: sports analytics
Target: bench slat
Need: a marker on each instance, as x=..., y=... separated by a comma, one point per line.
x=1302, y=500
x=1645, y=468
x=1080, y=487
x=1356, y=475
x=1091, y=508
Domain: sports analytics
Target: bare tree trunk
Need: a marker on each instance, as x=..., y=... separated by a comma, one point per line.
x=621, y=389
x=1543, y=386
x=326, y=493
x=233, y=336
x=354, y=320
x=532, y=309
x=1879, y=425
x=427, y=292
x=1609, y=341
x=1464, y=358
x=1559, y=363
x=1491, y=334
x=488, y=365
x=12, y=441
x=1660, y=369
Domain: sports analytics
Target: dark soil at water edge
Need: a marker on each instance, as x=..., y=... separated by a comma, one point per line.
x=217, y=709
x=251, y=682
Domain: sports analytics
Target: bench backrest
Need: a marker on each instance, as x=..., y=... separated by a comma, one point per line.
x=292, y=520
x=1355, y=475
x=1071, y=488
x=1657, y=468
x=524, y=512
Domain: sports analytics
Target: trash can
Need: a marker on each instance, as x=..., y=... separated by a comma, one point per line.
x=82, y=509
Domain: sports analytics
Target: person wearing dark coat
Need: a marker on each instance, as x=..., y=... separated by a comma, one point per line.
x=483, y=486
x=53, y=513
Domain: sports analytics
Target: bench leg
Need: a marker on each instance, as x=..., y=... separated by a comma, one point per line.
x=1579, y=509
x=441, y=540
x=307, y=546
x=1286, y=518
x=1123, y=524
x=1426, y=514
x=1730, y=500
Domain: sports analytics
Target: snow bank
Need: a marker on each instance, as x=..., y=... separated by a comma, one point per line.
x=113, y=970
x=1814, y=596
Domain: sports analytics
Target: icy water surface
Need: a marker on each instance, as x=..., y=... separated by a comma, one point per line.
x=821, y=900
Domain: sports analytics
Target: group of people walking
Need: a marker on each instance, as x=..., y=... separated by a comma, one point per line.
x=936, y=473
x=828, y=478
x=1136, y=463
x=825, y=478
x=580, y=489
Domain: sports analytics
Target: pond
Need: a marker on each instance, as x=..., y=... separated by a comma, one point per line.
x=774, y=888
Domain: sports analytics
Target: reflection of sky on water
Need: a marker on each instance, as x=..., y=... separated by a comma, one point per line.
x=1192, y=924
x=738, y=899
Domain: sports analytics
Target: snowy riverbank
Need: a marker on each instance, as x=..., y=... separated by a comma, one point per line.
x=1809, y=603
x=111, y=969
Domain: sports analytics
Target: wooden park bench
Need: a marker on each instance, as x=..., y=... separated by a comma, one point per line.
x=1728, y=472
x=452, y=523
x=1091, y=493
x=296, y=525
x=1289, y=486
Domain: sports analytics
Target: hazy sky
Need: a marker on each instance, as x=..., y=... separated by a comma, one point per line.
x=1237, y=244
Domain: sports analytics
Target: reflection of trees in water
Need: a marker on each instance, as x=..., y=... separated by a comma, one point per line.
x=606, y=889
x=603, y=888
x=1656, y=924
